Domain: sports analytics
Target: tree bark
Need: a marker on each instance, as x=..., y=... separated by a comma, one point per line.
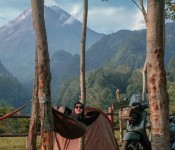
x=44, y=76
x=32, y=137
x=157, y=75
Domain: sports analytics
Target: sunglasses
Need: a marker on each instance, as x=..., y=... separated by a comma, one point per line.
x=76, y=107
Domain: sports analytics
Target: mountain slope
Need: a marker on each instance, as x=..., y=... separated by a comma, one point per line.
x=121, y=48
x=12, y=92
x=17, y=39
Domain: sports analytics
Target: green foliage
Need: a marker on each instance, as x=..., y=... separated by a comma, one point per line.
x=11, y=125
x=134, y=82
x=171, y=91
x=170, y=9
x=12, y=92
x=171, y=64
x=101, y=87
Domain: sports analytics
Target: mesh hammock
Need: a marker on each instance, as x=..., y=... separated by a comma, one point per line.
x=66, y=126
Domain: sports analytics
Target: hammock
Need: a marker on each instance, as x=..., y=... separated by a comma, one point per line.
x=13, y=112
x=66, y=126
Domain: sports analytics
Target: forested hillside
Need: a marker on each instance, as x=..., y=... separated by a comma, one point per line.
x=123, y=48
x=101, y=86
x=12, y=92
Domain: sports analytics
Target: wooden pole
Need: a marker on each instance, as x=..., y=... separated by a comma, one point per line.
x=120, y=120
x=82, y=64
x=110, y=116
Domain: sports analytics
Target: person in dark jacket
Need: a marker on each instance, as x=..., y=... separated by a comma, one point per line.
x=78, y=114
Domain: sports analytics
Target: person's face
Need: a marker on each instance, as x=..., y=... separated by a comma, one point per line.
x=78, y=109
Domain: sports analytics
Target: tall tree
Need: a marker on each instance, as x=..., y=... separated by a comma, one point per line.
x=82, y=62
x=44, y=76
x=157, y=88
x=156, y=75
x=32, y=137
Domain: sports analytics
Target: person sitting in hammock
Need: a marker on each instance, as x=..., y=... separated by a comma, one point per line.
x=78, y=114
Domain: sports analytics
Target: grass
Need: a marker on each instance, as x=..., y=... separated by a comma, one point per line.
x=15, y=143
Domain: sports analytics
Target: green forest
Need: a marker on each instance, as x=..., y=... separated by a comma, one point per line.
x=101, y=85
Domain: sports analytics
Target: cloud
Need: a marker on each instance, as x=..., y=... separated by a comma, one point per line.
x=112, y=19
x=10, y=14
x=104, y=17
x=70, y=20
x=139, y=21
x=107, y=18
x=75, y=12
x=50, y=2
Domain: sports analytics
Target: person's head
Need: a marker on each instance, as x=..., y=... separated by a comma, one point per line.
x=79, y=108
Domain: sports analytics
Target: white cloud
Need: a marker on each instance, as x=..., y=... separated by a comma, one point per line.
x=75, y=10
x=139, y=21
x=70, y=20
x=112, y=19
x=8, y=14
x=101, y=17
x=50, y=2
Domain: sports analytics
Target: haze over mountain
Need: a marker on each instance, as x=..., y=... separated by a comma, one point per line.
x=17, y=39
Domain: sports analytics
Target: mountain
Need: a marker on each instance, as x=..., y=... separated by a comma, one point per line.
x=3, y=70
x=121, y=48
x=12, y=92
x=17, y=39
x=63, y=67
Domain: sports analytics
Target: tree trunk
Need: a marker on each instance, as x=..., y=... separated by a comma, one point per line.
x=82, y=54
x=82, y=64
x=32, y=137
x=44, y=76
x=157, y=75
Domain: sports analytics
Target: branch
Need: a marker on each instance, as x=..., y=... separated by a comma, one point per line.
x=141, y=8
x=144, y=80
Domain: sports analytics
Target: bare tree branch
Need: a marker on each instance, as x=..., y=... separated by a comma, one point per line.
x=141, y=8
x=144, y=71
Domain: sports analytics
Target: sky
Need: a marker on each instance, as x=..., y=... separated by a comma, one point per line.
x=103, y=16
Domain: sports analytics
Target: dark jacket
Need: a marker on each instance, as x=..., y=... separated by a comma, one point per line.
x=87, y=119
